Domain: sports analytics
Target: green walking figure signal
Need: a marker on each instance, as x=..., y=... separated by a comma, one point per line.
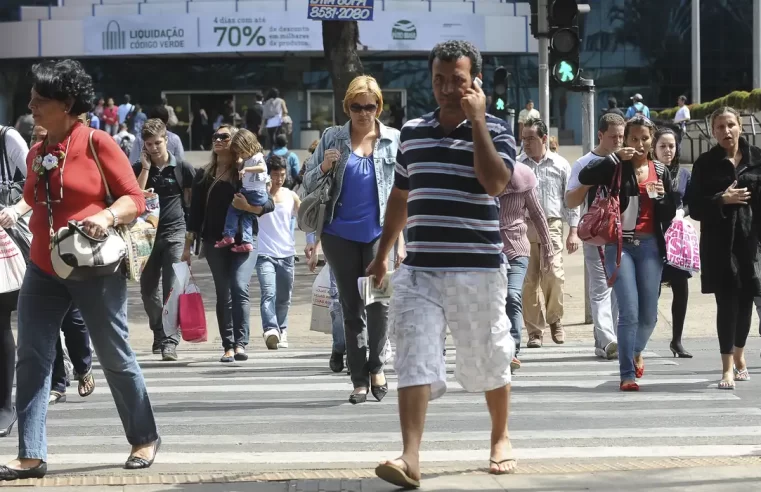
x=566, y=73
x=500, y=104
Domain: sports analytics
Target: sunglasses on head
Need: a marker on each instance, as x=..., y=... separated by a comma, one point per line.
x=220, y=136
x=358, y=108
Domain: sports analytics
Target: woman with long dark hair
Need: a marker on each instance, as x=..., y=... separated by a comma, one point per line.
x=725, y=196
x=215, y=188
x=647, y=208
x=666, y=144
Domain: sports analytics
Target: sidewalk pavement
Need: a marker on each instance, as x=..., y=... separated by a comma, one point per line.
x=706, y=479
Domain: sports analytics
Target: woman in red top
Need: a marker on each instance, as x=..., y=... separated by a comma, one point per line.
x=61, y=90
x=648, y=204
x=111, y=117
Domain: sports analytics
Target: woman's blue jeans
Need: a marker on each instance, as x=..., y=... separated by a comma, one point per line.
x=637, y=288
x=232, y=274
x=514, y=306
x=43, y=303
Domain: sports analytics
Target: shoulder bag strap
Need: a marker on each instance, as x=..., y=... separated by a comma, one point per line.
x=5, y=165
x=109, y=197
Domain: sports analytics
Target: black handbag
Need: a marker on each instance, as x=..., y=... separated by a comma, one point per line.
x=11, y=192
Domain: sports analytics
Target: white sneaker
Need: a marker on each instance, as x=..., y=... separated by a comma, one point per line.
x=610, y=352
x=283, y=340
x=271, y=339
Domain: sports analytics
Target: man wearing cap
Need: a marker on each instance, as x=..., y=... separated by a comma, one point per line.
x=637, y=107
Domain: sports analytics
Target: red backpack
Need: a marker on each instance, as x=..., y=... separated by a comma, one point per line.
x=601, y=225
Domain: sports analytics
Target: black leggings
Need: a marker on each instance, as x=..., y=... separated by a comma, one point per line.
x=734, y=310
x=681, y=293
x=7, y=357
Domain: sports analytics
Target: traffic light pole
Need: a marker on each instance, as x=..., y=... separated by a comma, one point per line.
x=587, y=87
x=544, y=62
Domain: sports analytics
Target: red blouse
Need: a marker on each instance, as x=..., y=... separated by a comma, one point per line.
x=83, y=190
x=111, y=115
x=646, y=219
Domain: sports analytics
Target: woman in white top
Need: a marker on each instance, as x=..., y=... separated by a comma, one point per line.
x=275, y=260
x=272, y=113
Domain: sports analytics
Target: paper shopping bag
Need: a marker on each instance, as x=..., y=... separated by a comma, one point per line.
x=192, y=315
x=171, y=314
x=321, y=300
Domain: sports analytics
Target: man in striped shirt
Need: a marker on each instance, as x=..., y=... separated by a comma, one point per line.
x=450, y=165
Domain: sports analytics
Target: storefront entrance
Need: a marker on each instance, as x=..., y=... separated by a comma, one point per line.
x=198, y=135
x=321, y=110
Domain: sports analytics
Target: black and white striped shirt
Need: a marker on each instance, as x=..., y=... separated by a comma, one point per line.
x=453, y=224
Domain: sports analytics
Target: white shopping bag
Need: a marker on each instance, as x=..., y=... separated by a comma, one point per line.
x=321, y=321
x=12, y=264
x=171, y=315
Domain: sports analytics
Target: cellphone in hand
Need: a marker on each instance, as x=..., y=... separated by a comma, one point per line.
x=478, y=82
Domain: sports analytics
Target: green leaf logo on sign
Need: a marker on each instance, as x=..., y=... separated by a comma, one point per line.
x=404, y=30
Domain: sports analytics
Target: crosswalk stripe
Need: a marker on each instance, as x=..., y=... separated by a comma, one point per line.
x=286, y=408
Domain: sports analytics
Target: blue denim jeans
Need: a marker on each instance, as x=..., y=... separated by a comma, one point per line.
x=514, y=305
x=78, y=346
x=637, y=287
x=43, y=303
x=337, y=317
x=245, y=220
x=232, y=278
x=159, y=270
x=276, y=286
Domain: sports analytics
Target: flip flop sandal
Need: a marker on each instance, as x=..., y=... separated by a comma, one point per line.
x=743, y=375
x=726, y=385
x=86, y=384
x=396, y=475
x=499, y=464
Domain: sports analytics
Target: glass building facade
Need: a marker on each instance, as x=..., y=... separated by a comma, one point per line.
x=628, y=47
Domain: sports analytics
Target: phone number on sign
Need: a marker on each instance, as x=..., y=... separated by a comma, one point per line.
x=340, y=13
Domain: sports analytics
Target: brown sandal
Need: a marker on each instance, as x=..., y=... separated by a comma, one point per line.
x=86, y=384
x=396, y=475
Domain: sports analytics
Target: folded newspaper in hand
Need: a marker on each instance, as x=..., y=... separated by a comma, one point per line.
x=370, y=293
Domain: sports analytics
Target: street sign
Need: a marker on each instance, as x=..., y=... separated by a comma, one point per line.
x=340, y=10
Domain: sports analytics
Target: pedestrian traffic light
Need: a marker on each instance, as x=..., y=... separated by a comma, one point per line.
x=563, y=20
x=499, y=96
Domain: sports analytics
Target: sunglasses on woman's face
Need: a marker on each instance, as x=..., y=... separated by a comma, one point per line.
x=224, y=137
x=358, y=108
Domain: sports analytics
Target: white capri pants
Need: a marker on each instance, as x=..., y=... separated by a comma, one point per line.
x=472, y=304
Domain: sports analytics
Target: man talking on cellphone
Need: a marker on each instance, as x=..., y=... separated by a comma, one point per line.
x=451, y=165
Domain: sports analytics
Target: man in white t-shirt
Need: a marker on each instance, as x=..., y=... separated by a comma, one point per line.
x=526, y=114
x=683, y=113
x=601, y=298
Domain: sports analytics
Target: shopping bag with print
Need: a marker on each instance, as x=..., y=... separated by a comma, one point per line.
x=171, y=315
x=321, y=300
x=192, y=314
x=12, y=264
x=682, y=245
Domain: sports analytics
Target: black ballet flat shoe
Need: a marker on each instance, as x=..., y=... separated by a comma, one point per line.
x=679, y=351
x=336, y=362
x=379, y=392
x=9, y=474
x=135, y=463
x=357, y=398
x=7, y=431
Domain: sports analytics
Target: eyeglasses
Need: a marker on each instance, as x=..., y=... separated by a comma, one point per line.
x=224, y=137
x=641, y=119
x=358, y=108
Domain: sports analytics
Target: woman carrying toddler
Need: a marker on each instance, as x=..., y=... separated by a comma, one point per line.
x=253, y=178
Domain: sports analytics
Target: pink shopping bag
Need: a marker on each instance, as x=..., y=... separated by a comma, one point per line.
x=682, y=245
x=192, y=314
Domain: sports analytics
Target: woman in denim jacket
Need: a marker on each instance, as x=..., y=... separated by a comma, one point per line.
x=362, y=155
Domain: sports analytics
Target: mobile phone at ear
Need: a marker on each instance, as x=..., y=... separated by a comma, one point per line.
x=478, y=82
